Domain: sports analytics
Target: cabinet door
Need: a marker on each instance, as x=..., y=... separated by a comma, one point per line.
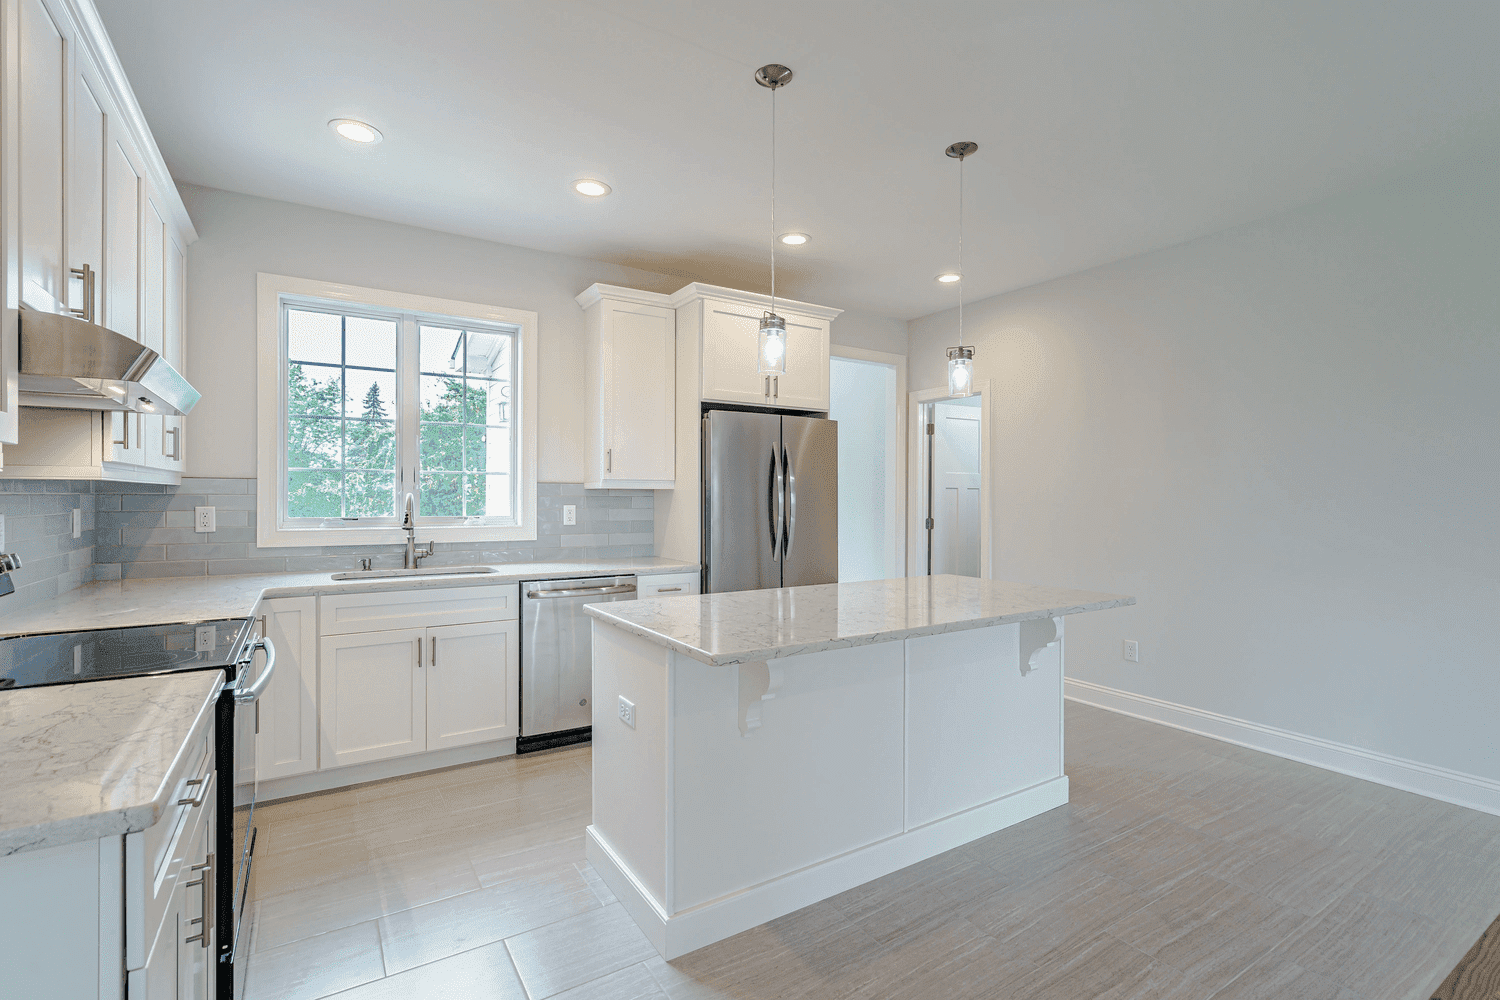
x=86, y=188
x=42, y=113
x=161, y=977
x=196, y=931
x=372, y=696
x=122, y=261
x=805, y=384
x=153, y=301
x=638, y=389
x=288, y=740
x=473, y=686
x=173, y=336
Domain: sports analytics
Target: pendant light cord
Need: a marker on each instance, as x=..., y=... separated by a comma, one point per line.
x=960, y=251
x=773, y=200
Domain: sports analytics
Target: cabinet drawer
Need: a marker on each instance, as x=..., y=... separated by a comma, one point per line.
x=673, y=585
x=341, y=614
x=151, y=855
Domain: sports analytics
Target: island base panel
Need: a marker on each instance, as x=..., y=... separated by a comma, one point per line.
x=680, y=933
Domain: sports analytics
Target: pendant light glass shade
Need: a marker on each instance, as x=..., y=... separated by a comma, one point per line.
x=960, y=371
x=772, y=345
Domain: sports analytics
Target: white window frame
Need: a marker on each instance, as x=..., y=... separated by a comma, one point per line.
x=271, y=527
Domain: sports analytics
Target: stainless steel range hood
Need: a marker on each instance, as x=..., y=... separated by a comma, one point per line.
x=73, y=364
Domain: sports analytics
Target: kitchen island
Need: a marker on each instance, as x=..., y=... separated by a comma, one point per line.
x=756, y=752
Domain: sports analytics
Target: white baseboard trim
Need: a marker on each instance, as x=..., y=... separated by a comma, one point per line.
x=271, y=789
x=674, y=935
x=1468, y=790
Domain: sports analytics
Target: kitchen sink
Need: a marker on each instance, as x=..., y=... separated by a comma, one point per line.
x=376, y=574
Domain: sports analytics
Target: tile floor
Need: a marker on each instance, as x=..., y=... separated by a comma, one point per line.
x=1182, y=869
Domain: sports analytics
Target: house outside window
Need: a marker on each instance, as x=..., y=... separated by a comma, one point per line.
x=366, y=396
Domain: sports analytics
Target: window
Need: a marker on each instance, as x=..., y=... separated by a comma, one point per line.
x=368, y=396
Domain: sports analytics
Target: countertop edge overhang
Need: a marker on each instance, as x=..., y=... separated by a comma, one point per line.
x=127, y=603
x=1082, y=601
x=90, y=816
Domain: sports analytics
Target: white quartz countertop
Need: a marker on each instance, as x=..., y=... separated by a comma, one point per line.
x=124, y=603
x=765, y=624
x=84, y=761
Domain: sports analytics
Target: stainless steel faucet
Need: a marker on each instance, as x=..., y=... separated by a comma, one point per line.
x=413, y=558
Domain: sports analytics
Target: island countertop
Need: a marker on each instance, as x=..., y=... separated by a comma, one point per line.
x=753, y=625
x=84, y=761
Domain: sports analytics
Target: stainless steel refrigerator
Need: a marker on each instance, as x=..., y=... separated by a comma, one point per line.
x=770, y=501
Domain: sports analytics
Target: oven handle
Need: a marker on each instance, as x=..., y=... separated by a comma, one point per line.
x=244, y=695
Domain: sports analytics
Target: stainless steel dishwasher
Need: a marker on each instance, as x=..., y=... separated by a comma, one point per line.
x=557, y=657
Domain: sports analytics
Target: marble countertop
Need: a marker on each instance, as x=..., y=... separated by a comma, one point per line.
x=124, y=603
x=756, y=625
x=84, y=761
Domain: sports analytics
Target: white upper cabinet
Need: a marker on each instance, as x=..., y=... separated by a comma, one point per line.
x=729, y=322
x=99, y=230
x=630, y=371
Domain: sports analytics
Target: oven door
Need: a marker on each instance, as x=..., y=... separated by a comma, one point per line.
x=254, y=677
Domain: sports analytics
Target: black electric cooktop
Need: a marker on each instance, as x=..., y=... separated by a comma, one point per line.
x=103, y=654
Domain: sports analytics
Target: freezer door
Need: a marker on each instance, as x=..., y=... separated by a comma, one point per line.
x=742, y=497
x=811, y=459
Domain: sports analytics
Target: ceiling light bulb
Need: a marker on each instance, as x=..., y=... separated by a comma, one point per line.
x=591, y=188
x=794, y=239
x=949, y=277
x=356, y=131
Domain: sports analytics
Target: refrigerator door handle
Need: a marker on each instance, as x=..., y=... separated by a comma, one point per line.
x=775, y=509
x=791, y=503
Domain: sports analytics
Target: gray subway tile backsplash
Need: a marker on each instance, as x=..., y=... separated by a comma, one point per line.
x=142, y=531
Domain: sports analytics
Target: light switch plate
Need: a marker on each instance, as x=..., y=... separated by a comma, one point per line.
x=2, y=531
x=205, y=519
x=77, y=522
x=570, y=513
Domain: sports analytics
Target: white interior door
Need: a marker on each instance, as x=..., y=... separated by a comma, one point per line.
x=372, y=696
x=955, y=488
x=473, y=687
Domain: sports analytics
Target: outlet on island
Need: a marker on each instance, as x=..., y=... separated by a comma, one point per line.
x=627, y=712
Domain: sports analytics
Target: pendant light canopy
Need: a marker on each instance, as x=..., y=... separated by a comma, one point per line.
x=771, y=343
x=961, y=358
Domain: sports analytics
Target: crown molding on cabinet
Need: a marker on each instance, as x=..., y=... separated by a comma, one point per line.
x=620, y=293
x=697, y=289
x=92, y=34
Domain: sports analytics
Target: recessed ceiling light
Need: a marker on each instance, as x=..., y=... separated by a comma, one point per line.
x=356, y=131
x=794, y=239
x=591, y=188
x=949, y=277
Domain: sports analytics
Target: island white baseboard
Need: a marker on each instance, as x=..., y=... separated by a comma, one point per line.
x=1469, y=790
x=677, y=934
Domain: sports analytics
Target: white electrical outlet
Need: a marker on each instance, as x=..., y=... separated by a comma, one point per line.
x=627, y=712
x=1131, y=651
x=77, y=522
x=2, y=531
x=570, y=513
x=205, y=519
x=204, y=639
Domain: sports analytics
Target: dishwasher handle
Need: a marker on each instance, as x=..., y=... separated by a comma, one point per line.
x=625, y=588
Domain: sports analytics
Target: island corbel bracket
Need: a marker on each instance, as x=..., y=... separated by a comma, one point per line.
x=759, y=680
x=1041, y=643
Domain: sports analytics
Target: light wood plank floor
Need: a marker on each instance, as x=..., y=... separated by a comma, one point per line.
x=1182, y=869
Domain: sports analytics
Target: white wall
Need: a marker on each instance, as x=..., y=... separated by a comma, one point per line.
x=240, y=235
x=1283, y=439
x=868, y=331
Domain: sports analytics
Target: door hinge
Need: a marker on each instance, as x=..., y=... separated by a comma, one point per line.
x=930, y=524
x=931, y=428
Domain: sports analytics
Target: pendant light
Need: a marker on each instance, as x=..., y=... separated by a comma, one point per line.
x=961, y=358
x=771, y=343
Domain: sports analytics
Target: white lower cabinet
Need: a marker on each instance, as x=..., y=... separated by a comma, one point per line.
x=287, y=713
x=473, y=684
x=372, y=696
x=404, y=691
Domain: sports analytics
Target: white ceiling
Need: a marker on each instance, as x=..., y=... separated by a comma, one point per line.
x=1105, y=128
